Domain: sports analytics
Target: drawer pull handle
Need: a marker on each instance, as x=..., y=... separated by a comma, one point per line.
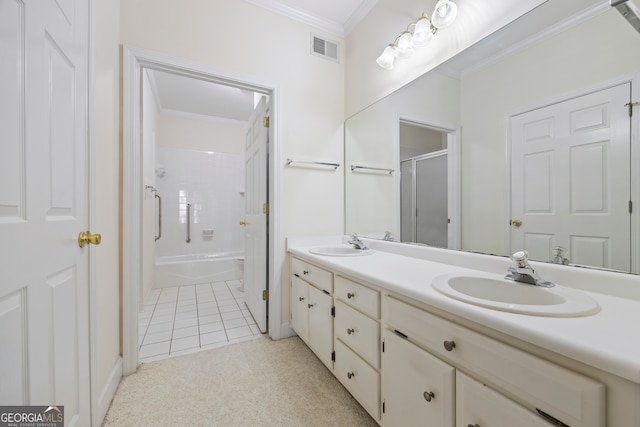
x=350, y=295
x=305, y=272
x=301, y=298
x=428, y=395
x=473, y=425
x=350, y=331
x=350, y=375
x=449, y=345
x=310, y=305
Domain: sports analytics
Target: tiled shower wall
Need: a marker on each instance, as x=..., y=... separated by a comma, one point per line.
x=214, y=185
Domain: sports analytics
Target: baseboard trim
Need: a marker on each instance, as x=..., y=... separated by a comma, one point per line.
x=286, y=331
x=109, y=391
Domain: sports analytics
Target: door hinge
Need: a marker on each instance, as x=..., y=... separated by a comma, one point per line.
x=265, y=295
x=265, y=208
x=630, y=206
x=333, y=311
x=265, y=121
x=630, y=106
x=333, y=356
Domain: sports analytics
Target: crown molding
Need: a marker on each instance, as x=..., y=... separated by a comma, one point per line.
x=358, y=15
x=303, y=16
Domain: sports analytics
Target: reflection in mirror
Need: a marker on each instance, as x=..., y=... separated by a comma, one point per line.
x=514, y=166
x=423, y=185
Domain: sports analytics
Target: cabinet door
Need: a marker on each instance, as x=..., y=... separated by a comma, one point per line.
x=417, y=388
x=321, y=325
x=299, y=308
x=359, y=378
x=478, y=405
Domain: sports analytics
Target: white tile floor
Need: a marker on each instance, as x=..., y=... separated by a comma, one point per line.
x=185, y=319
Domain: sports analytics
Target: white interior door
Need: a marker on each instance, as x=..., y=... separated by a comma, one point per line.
x=571, y=179
x=44, y=285
x=256, y=215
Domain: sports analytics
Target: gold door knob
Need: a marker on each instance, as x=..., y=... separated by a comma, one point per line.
x=86, y=237
x=243, y=223
x=516, y=223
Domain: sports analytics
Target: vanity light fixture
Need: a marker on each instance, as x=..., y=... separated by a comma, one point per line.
x=419, y=33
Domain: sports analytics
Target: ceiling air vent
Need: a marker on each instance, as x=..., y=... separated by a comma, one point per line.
x=325, y=48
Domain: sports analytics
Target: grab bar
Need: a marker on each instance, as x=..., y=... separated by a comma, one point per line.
x=188, y=223
x=159, y=217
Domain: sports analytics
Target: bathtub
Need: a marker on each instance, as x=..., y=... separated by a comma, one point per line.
x=179, y=270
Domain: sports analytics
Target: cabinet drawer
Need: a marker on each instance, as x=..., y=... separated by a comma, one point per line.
x=356, y=295
x=362, y=381
x=359, y=332
x=537, y=384
x=477, y=404
x=317, y=276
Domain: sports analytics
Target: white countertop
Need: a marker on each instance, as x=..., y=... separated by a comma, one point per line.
x=607, y=340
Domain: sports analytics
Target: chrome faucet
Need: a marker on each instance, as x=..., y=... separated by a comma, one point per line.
x=357, y=243
x=522, y=272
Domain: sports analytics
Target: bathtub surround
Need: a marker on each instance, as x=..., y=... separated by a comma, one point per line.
x=213, y=183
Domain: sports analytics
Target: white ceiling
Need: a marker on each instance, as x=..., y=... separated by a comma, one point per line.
x=178, y=94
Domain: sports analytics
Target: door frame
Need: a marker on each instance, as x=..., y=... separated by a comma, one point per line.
x=634, y=80
x=133, y=62
x=453, y=173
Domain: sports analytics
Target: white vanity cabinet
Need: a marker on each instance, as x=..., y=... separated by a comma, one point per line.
x=479, y=405
x=357, y=342
x=311, y=308
x=419, y=389
x=534, y=385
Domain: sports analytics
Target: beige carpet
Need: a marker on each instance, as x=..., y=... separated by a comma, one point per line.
x=255, y=383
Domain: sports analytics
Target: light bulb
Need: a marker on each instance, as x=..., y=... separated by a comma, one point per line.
x=386, y=59
x=422, y=33
x=404, y=48
x=444, y=13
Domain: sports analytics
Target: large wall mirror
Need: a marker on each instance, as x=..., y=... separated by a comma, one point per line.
x=539, y=149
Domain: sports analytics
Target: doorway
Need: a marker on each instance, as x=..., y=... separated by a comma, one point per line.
x=135, y=62
x=428, y=195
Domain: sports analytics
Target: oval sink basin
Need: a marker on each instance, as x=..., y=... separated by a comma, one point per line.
x=495, y=292
x=340, y=250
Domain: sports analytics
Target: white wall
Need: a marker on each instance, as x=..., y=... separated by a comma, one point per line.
x=372, y=199
x=107, y=220
x=199, y=133
x=237, y=37
x=543, y=72
x=366, y=82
